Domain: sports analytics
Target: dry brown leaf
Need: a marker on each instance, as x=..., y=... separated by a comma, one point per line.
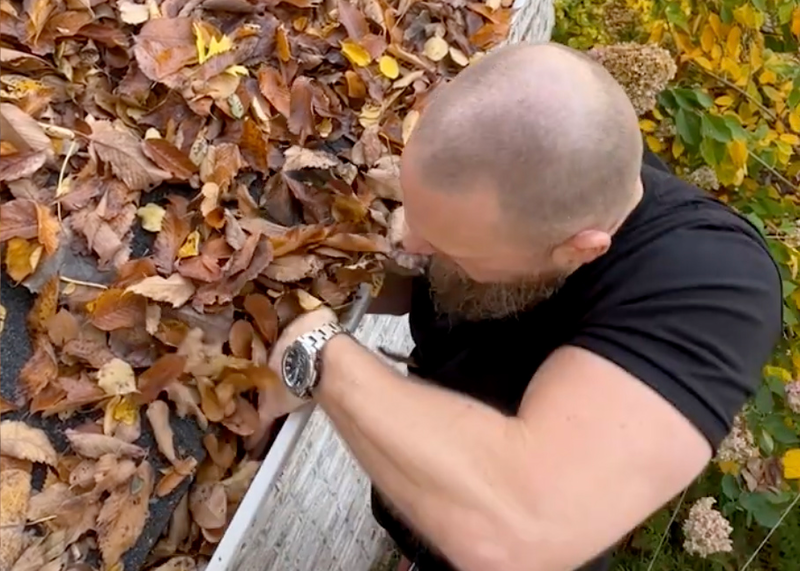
x=222, y=452
x=175, y=289
x=132, y=13
x=22, y=258
x=174, y=475
x=166, y=156
x=163, y=47
x=18, y=220
x=208, y=504
x=48, y=228
x=40, y=369
x=241, y=339
x=203, y=268
x=275, y=90
x=89, y=349
x=359, y=243
x=62, y=328
x=19, y=440
x=384, y=178
x=166, y=369
x=187, y=402
x=21, y=165
x=245, y=420
x=301, y=115
x=97, y=445
x=221, y=165
x=294, y=267
x=298, y=158
x=174, y=230
x=116, y=309
x=42, y=551
x=236, y=485
x=260, y=308
x=158, y=415
x=123, y=515
x=122, y=150
x=6, y=406
x=22, y=131
x=110, y=472
x=82, y=475
x=15, y=490
x=44, y=307
x=116, y=378
x=49, y=501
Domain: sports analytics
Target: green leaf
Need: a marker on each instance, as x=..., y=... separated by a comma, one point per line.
x=703, y=98
x=730, y=487
x=676, y=17
x=764, y=512
x=794, y=97
x=760, y=4
x=735, y=126
x=766, y=443
x=715, y=128
x=776, y=385
x=688, y=126
x=790, y=315
x=726, y=13
x=763, y=401
x=788, y=288
x=691, y=99
x=713, y=152
x=785, y=12
x=756, y=221
x=667, y=100
x=779, y=431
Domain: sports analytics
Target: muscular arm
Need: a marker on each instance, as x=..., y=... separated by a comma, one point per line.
x=541, y=490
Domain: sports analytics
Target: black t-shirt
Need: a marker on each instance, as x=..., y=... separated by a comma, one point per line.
x=687, y=299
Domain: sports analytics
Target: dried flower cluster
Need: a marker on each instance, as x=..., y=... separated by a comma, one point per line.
x=620, y=20
x=706, y=530
x=642, y=70
x=739, y=446
x=178, y=181
x=793, y=396
x=704, y=177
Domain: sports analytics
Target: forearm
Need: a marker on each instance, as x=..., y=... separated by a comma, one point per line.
x=448, y=463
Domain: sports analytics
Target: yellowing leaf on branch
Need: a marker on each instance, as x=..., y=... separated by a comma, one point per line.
x=356, y=53
x=738, y=152
x=791, y=464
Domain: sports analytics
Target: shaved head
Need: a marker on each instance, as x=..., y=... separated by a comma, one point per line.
x=545, y=128
x=518, y=172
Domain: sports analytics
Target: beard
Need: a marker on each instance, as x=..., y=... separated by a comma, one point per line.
x=454, y=293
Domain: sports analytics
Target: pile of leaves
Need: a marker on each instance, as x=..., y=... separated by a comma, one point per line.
x=179, y=180
x=729, y=122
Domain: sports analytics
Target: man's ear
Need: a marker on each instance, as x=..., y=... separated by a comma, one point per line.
x=582, y=248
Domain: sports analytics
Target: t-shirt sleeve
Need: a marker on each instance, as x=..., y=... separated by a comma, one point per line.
x=696, y=319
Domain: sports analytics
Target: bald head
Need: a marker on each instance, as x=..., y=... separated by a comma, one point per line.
x=545, y=128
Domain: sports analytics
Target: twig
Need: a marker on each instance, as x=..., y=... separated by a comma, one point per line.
x=70, y=150
x=738, y=89
x=82, y=283
x=777, y=174
x=666, y=531
x=771, y=531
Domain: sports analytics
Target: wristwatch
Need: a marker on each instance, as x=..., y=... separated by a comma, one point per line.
x=301, y=361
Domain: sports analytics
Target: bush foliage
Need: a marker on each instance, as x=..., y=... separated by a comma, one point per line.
x=729, y=122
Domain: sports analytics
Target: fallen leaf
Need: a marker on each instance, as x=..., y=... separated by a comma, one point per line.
x=307, y=301
x=40, y=369
x=152, y=318
x=264, y=316
x=19, y=440
x=124, y=514
x=175, y=289
x=158, y=415
x=174, y=230
x=21, y=165
x=436, y=48
x=389, y=67
x=165, y=370
x=169, y=158
x=301, y=116
x=121, y=149
x=356, y=53
x=221, y=164
x=244, y=421
x=238, y=483
x=202, y=268
x=294, y=267
x=358, y=243
x=208, y=504
x=163, y=47
x=222, y=452
x=22, y=258
x=187, y=402
x=191, y=246
x=110, y=472
x=298, y=158
x=274, y=89
x=44, y=553
x=180, y=563
x=97, y=445
x=132, y=13
x=6, y=406
x=241, y=339
x=116, y=308
x=18, y=220
x=22, y=130
x=117, y=378
x=82, y=475
x=152, y=216
x=174, y=475
x=15, y=490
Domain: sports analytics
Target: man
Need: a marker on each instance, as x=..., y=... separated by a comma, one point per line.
x=586, y=330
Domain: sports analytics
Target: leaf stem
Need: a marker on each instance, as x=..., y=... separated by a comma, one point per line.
x=771, y=531
x=738, y=89
x=70, y=150
x=82, y=283
x=666, y=530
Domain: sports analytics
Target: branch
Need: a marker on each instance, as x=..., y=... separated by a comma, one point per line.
x=771, y=531
x=777, y=174
x=738, y=89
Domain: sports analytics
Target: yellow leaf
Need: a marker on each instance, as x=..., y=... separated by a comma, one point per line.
x=658, y=115
x=756, y=56
x=791, y=464
x=767, y=77
x=716, y=54
x=733, y=44
x=459, y=57
x=126, y=410
x=794, y=120
x=707, y=38
x=724, y=100
x=655, y=144
x=748, y=16
x=388, y=67
x=356, y=53
x=435, y=48
x=199, y=42
x=21, y=258
x=282, y=45
x=219, y=46
x=191, y=247
x=116, y=378
x=732, y=68
x=779, y=372
x=152, y=216
x=370, y=115
x=677, y=147
x=790, y=139
x=729, y=467
x=795, y=27
x=647, y=125
x=237, y=71
x=738, y=151
x=704, y=62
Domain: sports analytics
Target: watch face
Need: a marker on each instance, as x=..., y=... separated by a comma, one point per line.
x=296, y=366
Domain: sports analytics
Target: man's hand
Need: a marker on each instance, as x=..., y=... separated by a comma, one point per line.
x=276, y=401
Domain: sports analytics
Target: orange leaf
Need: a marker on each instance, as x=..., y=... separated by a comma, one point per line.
x=358, y=243
x=22, y=258
x=62, y=328
x=116, y=309
x=45, y=306
x=272, y=86
x=40, y=369
x=241, y=338
x=18, y=219
x=245, y=420
x=174, y=230
x=168, y=157
x=21, y=165
x=301, y=117
x=263, y=313
x=166, y=369
x=282, y=45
